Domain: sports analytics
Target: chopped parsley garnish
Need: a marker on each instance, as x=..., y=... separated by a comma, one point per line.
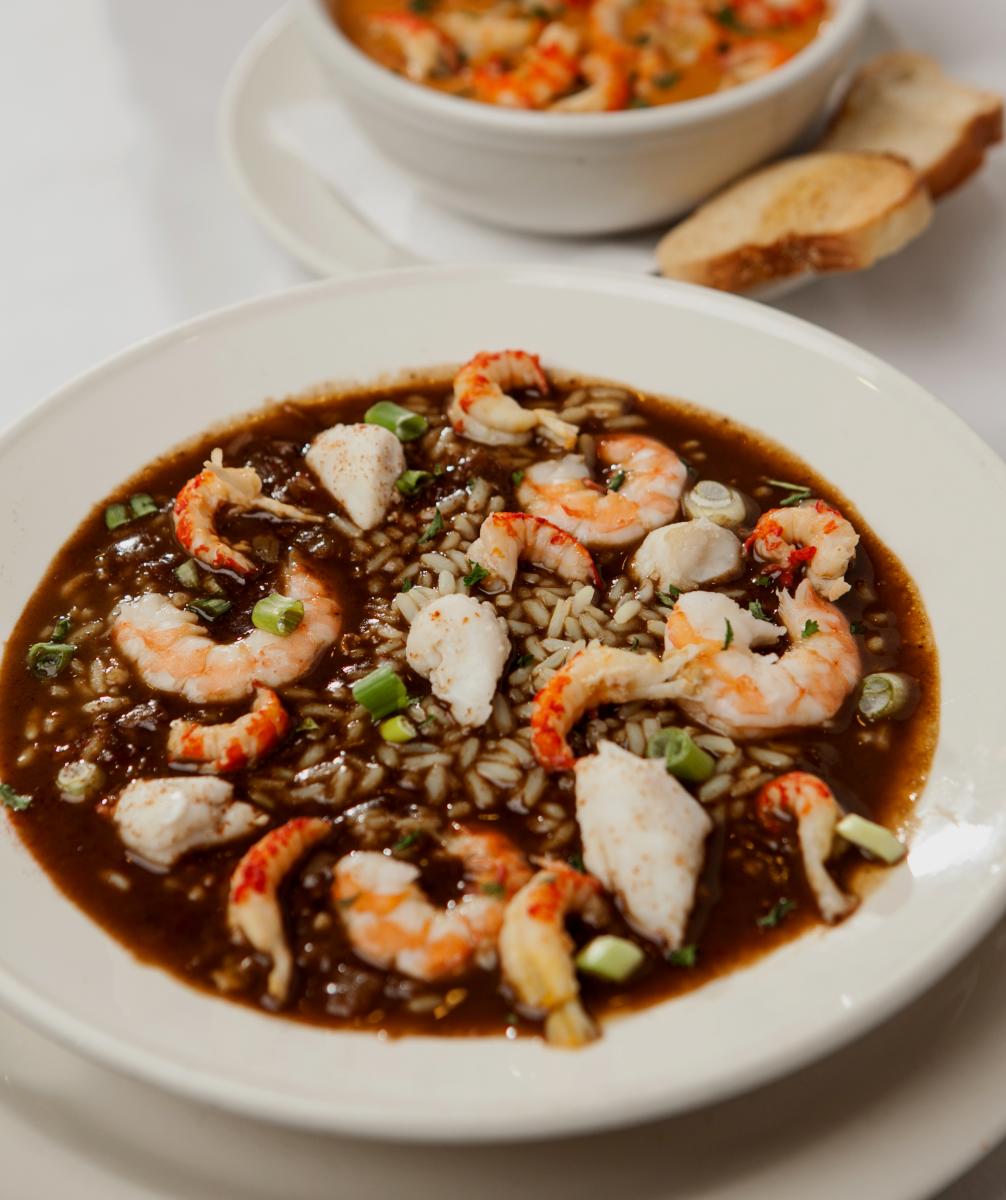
x=776, y=914
x=404, y=843
x=856, y=628
x=308, y=725
x=638, y=101
x=798, y=492
x=669, y=598
x=634, y=644
x=435, y=526
x=685, y=956
x=13, y=800
x=420, y=6
x=809, y=629
x=475, y=575
x=756, y=610
x=729, y=19
x=763, y=581
x=728, y=635
x=410, y=483
x=516, y=478
x=522, y=661
x=616, y=481
x=576, y=862
x=60, y=629
x=493, y=889
x=668, y=80
x=407, y=585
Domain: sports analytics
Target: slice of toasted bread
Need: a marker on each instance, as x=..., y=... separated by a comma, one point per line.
x=816, y=213
x=903, y=104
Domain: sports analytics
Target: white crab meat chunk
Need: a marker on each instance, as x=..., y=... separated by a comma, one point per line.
x=688, y=555
x=643, y=838
x=461, y=646
x=159, y=820
x=358, y=466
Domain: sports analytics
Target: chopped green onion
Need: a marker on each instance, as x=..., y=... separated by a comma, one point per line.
x=576, y=862
x=776, y=914
x=307, y=725
x=611, y=958
x=668, y=80
x=13, y=800
x=142, y=505
x=80, y=780
x=60, y=629
x=381, y=693
x=397, y=729
x=873, y=838
x=682, y=757
x=116, y=515
x=886, y=694
x=728, y=636
x=756, y=610
x=795, y=498
x=616, y=481
x=46, y=660
x=409, y=483
x=727, y=17
x=475, y=575
x=516, y=478
x=809, y=629
x=857, y=628
x=278, y=614
x=435, y=526
x=209, y=607
x=764, y=581
x=522, y=661
x=407, y=585
x=669, y=598
x=404, y=424
x=188, y=573
x=684, y=956
x=404, y=843
x=493, y=889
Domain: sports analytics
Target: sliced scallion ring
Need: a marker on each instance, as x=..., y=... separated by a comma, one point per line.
x=46, y=660
x=397, y=729
x=409, y=483
x=404, y=424
x=885, y=694
x=142, y=505
x=278, y=614
x=381, y=693
x=682, y=757
x=209, y=607
x=187, y=573
x=873, y=838
x=611, y=958
x=117, y=515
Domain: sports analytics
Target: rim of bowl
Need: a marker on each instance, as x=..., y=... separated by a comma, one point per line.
x=843, y=27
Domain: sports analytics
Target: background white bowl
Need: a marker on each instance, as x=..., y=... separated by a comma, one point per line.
x=586, y=173
x=922, y=479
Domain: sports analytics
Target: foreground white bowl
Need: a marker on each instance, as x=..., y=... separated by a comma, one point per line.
x=579, y=174
x=866, y=427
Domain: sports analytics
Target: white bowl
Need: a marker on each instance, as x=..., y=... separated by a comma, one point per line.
x=866, y=427
x=586, y=173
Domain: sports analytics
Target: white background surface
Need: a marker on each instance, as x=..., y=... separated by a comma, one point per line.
x=116, y=220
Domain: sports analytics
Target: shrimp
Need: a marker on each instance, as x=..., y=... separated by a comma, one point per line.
x=817, y=812
x=545, y=71
x=608, y=89
x=426, y=50
x=815, y=535
x=729, y=688
x=358, y=466
x=776, y=14
x=234, y=745
x=650, y=480
x=253, y=912
x=391, y=922
x=159, y=820
x=484, y=35
x=751, y=60
x=536, y=951
x=687, y=555
x=506, y=537
x=461, y=646
x=199, y=501
x=679, y=30
x=643, y=837
x=481, y=410
x=173, y=653
x=597, y=675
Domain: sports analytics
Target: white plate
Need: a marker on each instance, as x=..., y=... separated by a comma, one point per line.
x=866, y=427
x=329, y=199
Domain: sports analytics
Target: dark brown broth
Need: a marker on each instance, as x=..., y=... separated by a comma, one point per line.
x=177, y=920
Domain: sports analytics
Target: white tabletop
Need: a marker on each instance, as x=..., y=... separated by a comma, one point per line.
x=117, y=220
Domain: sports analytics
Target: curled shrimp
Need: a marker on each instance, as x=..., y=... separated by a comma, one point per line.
x=234, y=745
x=484, y=35
x=597, y=675
x=426, y=50
x=253, y=911
x=643, y=493
x=608, y=87
x=391, y=922
x=545, y=71
x=536, y=951
x=508, y=537
x=776, y=14
x=813, y=535
x=201, y=499
x=751, y=60
x=811, y=802
x=480, y=409
x=173, y=653
x=726, y=686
